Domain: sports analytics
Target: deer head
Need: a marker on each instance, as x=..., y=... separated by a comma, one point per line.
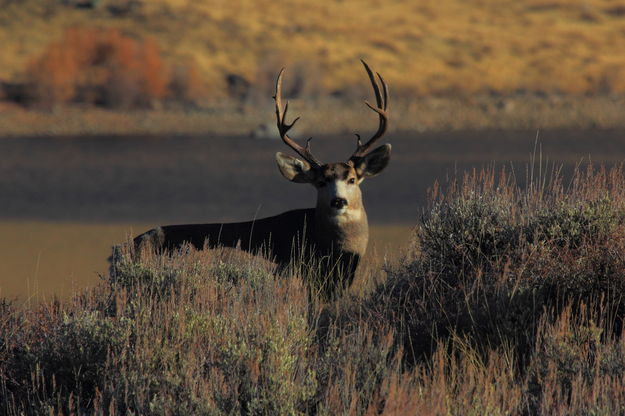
x=338, y=183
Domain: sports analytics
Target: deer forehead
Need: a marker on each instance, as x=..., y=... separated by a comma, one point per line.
x=337, y=171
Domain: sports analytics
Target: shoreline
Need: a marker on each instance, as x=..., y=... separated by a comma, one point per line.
x=323, y=116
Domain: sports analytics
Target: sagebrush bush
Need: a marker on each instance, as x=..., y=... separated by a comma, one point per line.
x=576, y=367
x=493, y=257
x=510, y=303
x=59, y=356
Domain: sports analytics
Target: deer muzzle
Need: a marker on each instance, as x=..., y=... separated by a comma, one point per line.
x=338, y=203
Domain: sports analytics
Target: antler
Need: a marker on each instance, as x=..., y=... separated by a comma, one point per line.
x=284, y=127
x=381, y=99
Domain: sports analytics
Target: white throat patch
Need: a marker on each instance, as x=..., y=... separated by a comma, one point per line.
x=347, y=214
x=340, y=189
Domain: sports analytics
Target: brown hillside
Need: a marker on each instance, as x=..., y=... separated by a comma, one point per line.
x=424, y=47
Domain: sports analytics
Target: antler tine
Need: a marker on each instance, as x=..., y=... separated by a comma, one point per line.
x=284, y=127
x=381, y=99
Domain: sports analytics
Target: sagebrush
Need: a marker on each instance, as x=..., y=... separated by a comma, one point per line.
x=509, y=302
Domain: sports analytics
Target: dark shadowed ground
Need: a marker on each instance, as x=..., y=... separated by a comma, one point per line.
x=65, y=201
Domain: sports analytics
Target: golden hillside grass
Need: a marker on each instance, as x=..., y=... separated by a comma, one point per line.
x=459, y=46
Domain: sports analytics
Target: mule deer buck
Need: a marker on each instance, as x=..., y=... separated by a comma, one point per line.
x=334, y=233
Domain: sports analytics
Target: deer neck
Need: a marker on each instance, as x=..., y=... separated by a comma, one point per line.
x=346, y=232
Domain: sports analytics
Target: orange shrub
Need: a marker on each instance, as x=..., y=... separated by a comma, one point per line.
x=187, y=85
x=99, y=66
x=152, y=71
x=53, y=75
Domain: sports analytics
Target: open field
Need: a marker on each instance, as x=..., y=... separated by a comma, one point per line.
x=425, y=47
x=451, y=65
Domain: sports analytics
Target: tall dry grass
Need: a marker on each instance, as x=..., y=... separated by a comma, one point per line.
x=508, y=302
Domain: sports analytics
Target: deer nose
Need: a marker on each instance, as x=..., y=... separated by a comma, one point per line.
x=338, y=203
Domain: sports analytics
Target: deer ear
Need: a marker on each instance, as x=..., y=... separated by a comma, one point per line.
x=374, y=162
x=294, y=169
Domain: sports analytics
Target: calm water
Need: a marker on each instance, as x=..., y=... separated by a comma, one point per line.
x=65, y=201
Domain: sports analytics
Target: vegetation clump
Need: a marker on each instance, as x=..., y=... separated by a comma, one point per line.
x=509, y=302
x=491, y=259
x=105, y=67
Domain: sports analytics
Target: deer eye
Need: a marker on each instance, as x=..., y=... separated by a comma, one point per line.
x=351, y=181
